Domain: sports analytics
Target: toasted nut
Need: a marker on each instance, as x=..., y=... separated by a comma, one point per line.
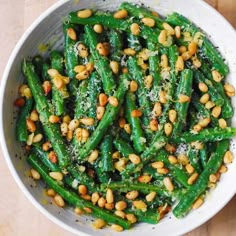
x=109, y=196
x=168, y=28
x=102, y=49
x=177, y=32
x=46, y=146
x=168, y=129
x=216, y=76
x=122, y=122
x=120, y=214
x=47, y=87
x=162, y=37
x=95, y=197
x=116, y=155
x=29, y=142
x=222, y=123
x=113, y=101
x=37, y=138
x=197, y=145
x=93, y=156
x=172, y=159
x=150, y=197
x=87, y=121
x=73, y=124
x=212, y=178
x=69, y=135
x=35, y=174
x=58, y=82
x=196, y=62
x=197, y=203
x=56, y=175
x=34, y=116
x=203, y=87
x=71, y=33
x=125, y=70
x=87, y=209
x=99, y=223
x=81, y=135
x=84, y=13
x=82, y=189
x=101, y=202
x=205, y=98
x=132, y=194
x=109, y=206
x=19, y=102
x=129, y=52
x=216, y=111
x=98, y=28
x=79, y=68
x=50, y=192
x=89, y=67
x=30, y=125
x=148, y=81
x=120, y=165
x=228, y=157
x=134, y=159
x=120, y=205
x=209, y=105
x=131, y=218
x=183, y=159
x=144, y=179
x=157, y=164
x=82, y=75
x=120, y=14
x=168, y=184
x=182, y=49
x=140, y=205
x=133, y=86
x=162, y=97
x=114, y=65
x=135, y=29
x=183, y=98
x=192, y=178
x=117, y=228
x=192, y=48
x=103, y=99
x=136, y=113
x=157, y=109
x=172, y=115
x=82, y=50
x=153, y=125
x=54, y=119
x=170, y=148
x=22, y=89
x=186, y=55
x=86, y=197
x=179, y=65
x=223, y=169
x=27, y=93
x=189, y=168
x=164, y=61
x=64, y=128
x=230, y=94
x=229, y=89
x=66, y=119
x=162, y=171
x=148, y=21
x=59, y=201
x=127, y=128
x=53, y=73
x=197, y=128
x=204, y=122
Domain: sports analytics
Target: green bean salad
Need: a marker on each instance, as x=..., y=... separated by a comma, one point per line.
x=131, y=120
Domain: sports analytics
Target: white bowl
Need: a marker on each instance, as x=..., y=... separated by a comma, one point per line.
x=48, y=28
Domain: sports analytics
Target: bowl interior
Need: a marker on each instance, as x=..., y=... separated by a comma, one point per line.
x=47, y=32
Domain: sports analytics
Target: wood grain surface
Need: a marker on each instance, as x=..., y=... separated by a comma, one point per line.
x=18, y=217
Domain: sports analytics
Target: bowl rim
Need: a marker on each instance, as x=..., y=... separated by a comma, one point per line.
x=6, y=155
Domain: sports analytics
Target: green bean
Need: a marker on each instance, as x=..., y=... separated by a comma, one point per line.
x=124, y=148
x=116, y=44
x=38, y=64
x=45, y=68
x=194, y=157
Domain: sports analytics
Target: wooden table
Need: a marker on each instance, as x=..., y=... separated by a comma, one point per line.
x=18, y=216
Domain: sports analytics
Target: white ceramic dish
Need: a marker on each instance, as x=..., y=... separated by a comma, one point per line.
x=47, y=28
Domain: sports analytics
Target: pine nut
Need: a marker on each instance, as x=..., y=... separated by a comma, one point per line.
x=148, y=21
x=189, y=168
x=37, y=138
x=95, y=197
x=34, y=116
x=157, y=110
x=230, y=94
x=131, y=218
x=120, y=214
x=125, y=70
x=162, y=37
x=203, y=87
x=164, y=61
x=93, y=156
x=222, y=123
x=116, y=155
x=172, y=159
x=216, y=76
x=197, y=203
x=212, y=178
x=79, y=68
x=99, y=224
x=229, y=88
x=133, y=86
x=168, y=28
x=27, y=93
x=109, y=206
x=117, y=228
x=204, y=122
x=59, y=201
x=109, y=196
x=153, y=125
x=182, y=49
x=183, y=98
x=144, y=179
x=121, y=14
x=209, y=105
x=192, y=178
x=192, y=48
x=30, y=125
x=132, y=195
x=168, y=129
x=170, y=148
x=196, y=62
x=82, y=50
x=129, y=52
x=114, y=65
x=140, y=205
x=197, y=128
x=205, y=98
x=53, y=73
x=98, y=28
x=113, y=101
x=87, y=210
x=56, y=175
x=101, y=202
x=51, y=192
x=120, y=165
x=197, y=145
x=122, y=122
x=228, y=157
x=177, y=32
x=102, y=49
x=157, y=164
x=127, y=128
x=183, y=159
x=134, y=159
x=89, y=67
x=87, y=121
x=64, y=129
x=29, y=140
x=46, y=146
x=150, y=197
x=179, y=65
x=74, y=124
x=223, y=169
x=148, y=81
x=216, y=111
x=186, y=55
x=168, y=184
x=82, y=189
x=35, y=174
x=172, y=115
x=66, y=119
x=136, y=113
x=120, y=205
x=84, y=13
x=162, y=171
x=103, y=99
x=135, y=29
x=71, y=34
x=19, y=102
x=69, y=135
x=54, y=119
